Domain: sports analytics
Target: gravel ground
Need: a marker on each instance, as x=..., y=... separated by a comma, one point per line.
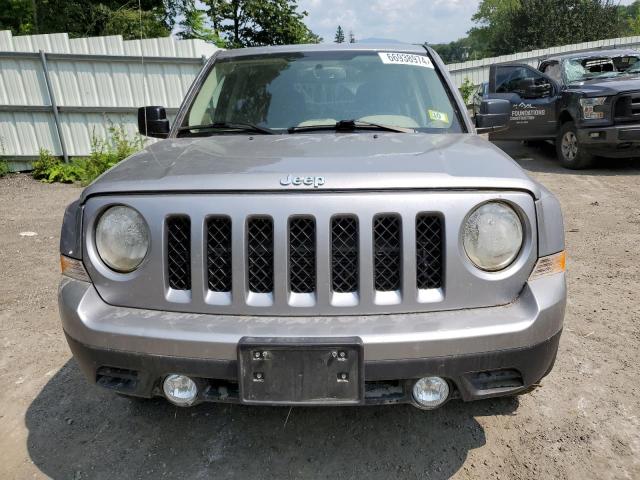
x=582, y=423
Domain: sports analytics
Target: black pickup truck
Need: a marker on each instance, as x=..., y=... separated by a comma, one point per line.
x=587, y=102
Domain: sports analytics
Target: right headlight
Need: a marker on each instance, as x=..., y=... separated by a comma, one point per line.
x=122, y=238
x=493, y=236
x=590, y=110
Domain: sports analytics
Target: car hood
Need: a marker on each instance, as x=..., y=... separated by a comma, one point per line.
x=359, y=161
x=608, y=86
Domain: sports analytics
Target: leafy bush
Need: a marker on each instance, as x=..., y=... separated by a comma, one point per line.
x=51, y=169
x=105, y=153
x=4, y=168
x=466, y=90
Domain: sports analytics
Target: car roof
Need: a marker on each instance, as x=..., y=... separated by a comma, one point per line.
x=324, y=47
x=592, y=53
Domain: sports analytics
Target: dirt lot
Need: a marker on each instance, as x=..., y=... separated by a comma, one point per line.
x=583, y=423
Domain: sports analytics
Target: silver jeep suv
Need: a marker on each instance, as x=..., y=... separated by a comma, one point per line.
x=321, y=225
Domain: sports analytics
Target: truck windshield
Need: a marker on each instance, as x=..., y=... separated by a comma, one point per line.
x=281, y=92
x=588, y=68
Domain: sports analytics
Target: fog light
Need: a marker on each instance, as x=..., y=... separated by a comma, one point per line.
x=180, y=389
x=430, y=392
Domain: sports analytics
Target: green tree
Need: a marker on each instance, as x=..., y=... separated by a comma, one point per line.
x=352, y=37
x=631, y=15
x=459, y=50
x=246, y=23
x=17, y=16
x=339, y=38
x=82, y=18
x=509, y=26
x=194, y=25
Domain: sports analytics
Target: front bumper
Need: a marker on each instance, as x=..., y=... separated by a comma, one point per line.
x=483, y=353
x=614, y=141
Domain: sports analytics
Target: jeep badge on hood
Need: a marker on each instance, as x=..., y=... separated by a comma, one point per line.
x=314, y=182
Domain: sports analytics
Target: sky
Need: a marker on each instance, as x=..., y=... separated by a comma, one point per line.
x=411, y=21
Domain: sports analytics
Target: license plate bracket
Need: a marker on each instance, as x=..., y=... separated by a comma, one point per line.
x=301, y=371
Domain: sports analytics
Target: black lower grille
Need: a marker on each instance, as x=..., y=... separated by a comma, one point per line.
x=496, y=379
x=260, y=255
x=428, y=251
x=386, y=253
x=302, y=255
x=179, y=252
x=219, y=254
x=118, y=379
x=344, y=254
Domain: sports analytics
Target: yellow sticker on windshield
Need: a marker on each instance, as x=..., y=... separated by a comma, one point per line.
x=438, y=116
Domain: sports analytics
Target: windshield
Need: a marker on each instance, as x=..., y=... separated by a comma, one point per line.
x=583, y=69
x=283, y=91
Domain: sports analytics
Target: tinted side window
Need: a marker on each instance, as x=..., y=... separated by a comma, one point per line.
x=510, y=79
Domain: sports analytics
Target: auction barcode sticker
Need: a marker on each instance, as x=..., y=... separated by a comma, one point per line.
x=394, y=58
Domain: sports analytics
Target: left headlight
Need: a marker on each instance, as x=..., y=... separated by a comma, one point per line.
x=589, y=110
x=493, y=236
x=122, y=238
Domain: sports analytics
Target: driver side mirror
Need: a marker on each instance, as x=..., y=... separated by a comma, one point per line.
x=527, y=88
x=494, y=115
x=153, y=122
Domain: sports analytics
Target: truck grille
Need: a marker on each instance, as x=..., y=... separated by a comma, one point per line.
x=301, y=237
x=627, y=108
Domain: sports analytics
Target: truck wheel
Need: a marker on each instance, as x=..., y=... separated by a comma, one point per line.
x=571, y=154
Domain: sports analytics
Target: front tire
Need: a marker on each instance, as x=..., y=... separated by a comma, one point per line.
x=571, y=153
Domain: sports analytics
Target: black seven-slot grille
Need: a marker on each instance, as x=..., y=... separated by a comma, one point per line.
x=344, y=253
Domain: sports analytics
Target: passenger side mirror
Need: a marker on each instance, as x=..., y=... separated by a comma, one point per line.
x=528, y=88
x=153, y=122
x=494, y=115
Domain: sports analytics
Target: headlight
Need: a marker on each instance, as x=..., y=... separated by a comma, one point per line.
x=122, y=238
x=589, y=108
x=492, y=236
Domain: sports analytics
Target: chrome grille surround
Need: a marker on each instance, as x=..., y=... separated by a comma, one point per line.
x=462, y=285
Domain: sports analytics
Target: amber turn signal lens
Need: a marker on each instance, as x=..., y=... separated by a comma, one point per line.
x=550, y=265
x=73, y=268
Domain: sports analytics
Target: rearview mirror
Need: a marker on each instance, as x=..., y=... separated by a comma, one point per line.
x=494, y=115
x=153, y=122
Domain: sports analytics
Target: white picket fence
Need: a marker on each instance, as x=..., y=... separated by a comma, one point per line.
x=57, y=92
x=477, y=71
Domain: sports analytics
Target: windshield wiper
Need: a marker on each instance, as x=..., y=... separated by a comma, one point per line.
x=245, y=127
x=349, y=126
